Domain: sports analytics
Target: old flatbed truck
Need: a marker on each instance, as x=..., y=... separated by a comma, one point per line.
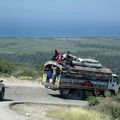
x=79, y=82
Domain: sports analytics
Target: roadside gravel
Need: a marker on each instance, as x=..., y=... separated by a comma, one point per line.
x=33, y=111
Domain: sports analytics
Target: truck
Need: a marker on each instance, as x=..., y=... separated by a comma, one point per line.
x=2, y=90
x=81, y=80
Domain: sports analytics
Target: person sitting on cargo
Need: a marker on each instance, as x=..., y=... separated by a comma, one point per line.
x=56, y=54
x=68, y=55
x=68, y=58
x=60, y=59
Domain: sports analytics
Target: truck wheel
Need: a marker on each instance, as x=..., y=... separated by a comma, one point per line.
x=78, y=94
x=62, y=93
x=2, y=94
x=96, y=92
x=112, y=92
x=88, y=93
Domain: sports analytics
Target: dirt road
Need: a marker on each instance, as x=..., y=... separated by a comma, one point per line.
x=30, y=92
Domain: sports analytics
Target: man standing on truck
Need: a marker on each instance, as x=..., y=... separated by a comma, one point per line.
x=54, y=68
x=49, y=76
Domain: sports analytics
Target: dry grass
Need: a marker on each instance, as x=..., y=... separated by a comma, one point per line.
x=74, y=113
x=59, y=112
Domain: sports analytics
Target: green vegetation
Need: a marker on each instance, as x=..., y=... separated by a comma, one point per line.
x=112, y=111
x=73, y=113
x=22, y=72
x=109, y=106
x=31, y=52
x=25, y=73
x=74, y=44
x=6, y=68
x=117, y=97
x=92, y=101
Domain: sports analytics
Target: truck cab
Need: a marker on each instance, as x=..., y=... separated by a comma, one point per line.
x=113, y=84
x=2, y=90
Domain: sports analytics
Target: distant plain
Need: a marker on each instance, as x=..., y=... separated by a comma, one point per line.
x=104, y=49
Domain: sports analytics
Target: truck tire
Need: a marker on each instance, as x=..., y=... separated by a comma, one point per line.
x=96, y=92
x=112, y=92
x=62, y=94
x=89, y=93
x=78, y=94
x=2, y=94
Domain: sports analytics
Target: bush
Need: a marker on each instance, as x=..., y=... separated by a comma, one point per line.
x=39, y=70
x=23, y=72
x=113, y=111
x=6, y=68
x=92, y=101
x=117, y=97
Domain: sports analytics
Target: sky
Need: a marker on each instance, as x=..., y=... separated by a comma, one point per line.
x=59, y=17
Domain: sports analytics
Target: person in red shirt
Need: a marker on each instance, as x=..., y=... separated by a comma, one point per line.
x=55, y=55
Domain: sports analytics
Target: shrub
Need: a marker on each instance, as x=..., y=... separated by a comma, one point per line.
x=25, y=72
x=113, y=111
x=6, y=68
x=117, y=97
x=92, y=101
x=39, y=70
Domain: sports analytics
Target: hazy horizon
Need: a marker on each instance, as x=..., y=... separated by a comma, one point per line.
x=59, y=18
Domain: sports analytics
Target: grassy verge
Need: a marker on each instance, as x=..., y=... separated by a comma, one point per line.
x=112, y=111
x=99, y=109
x=62, y=113
x=21, y=72
x=92, y=101
x=109, y=106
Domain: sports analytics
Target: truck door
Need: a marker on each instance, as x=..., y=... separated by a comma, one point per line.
x=113, y=83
